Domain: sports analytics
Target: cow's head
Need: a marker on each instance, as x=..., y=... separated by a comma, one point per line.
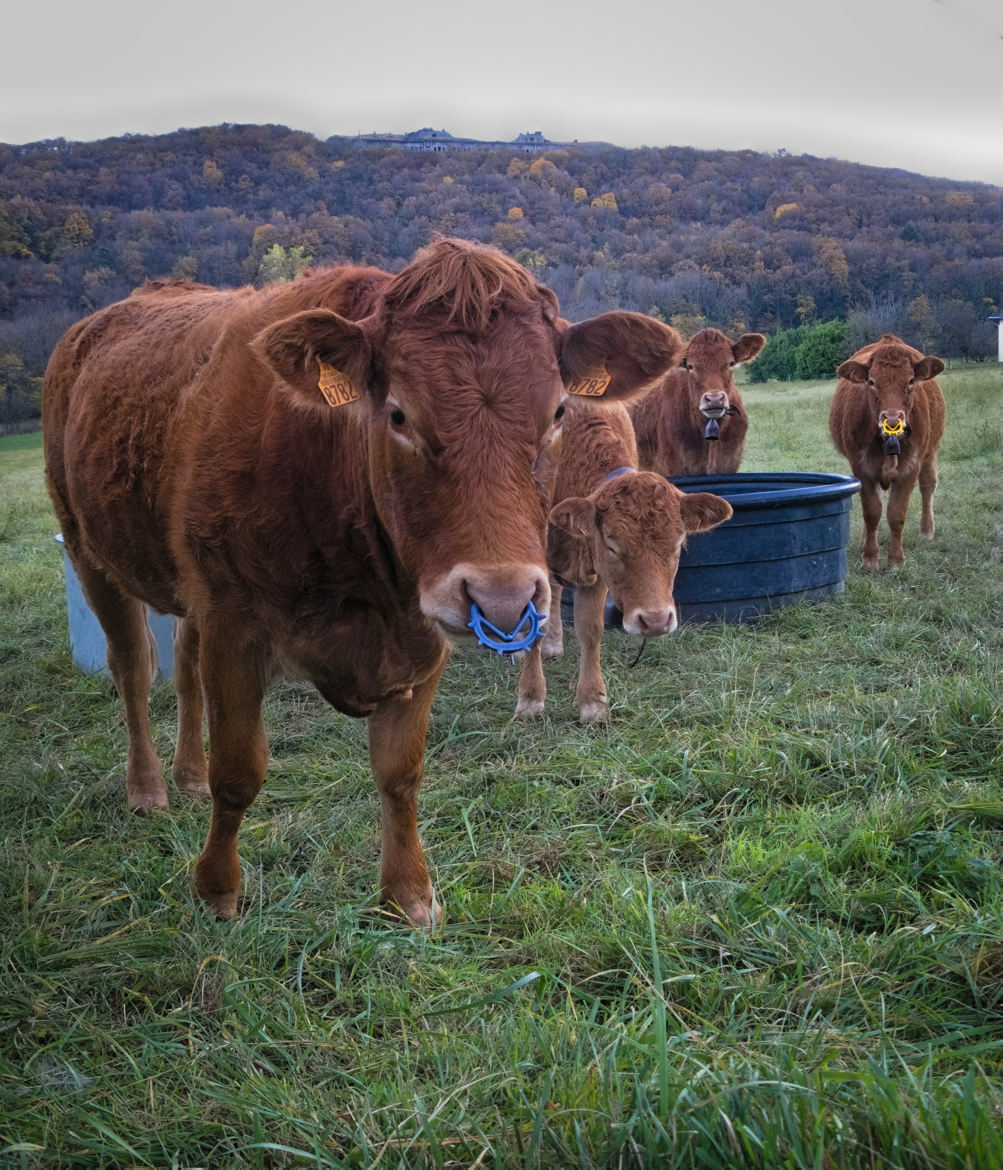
x=711, y=357
x=458, y=381
x=629, y=533
x=890, y=375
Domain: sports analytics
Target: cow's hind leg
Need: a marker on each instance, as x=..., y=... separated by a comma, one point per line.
x=397, y=754
x=927, y=486
x=132, y=660
x=234, y=680
x=191, y=769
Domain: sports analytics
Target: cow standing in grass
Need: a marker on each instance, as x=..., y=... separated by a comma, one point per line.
x=322, y=478
x=614, y=531
x=887, y=417
x=693, y=421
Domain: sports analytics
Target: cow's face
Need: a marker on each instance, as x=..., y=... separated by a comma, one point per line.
x=460, y=400
x=711, y=357
x=464, y=436
x=629, y=533
x=890, y=378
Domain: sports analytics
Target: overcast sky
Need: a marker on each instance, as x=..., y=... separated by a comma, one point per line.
x=916, y=84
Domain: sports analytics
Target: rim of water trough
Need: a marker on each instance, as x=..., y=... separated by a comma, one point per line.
x=739, y=487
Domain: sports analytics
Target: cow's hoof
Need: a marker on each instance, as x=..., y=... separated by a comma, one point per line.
x=223, y=905
x=192, y=785
x=218, y=885
x=529, y=709
x=925, y=537
x=553, y=649
x=423, y=912
x=147, y=801
x=869, y=564
x=593, y=713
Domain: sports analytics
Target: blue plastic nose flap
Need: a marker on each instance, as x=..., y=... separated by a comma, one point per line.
x=495, y=639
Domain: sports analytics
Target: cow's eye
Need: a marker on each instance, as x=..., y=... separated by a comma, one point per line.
x=398, y=417
x=559, y=413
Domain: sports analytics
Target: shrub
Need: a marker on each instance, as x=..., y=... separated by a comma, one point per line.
x=809, y=351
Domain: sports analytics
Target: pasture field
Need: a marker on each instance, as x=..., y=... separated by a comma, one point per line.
x=756, y=921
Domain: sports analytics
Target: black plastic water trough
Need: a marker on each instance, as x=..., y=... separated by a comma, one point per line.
x=786, y=542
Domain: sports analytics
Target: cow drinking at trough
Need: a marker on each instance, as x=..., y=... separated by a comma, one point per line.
x=887, y=417
x=324, y=478
x=693, y=421
x=613, y=530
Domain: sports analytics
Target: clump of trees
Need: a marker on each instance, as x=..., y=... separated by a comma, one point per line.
x=807, y=351
x=735, y=239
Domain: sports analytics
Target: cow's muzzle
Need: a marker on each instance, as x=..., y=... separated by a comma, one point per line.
x=530, y=628
x=893, y=430
x=470, y=598
x=713, y=428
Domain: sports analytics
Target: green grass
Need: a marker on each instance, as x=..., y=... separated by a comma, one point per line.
x=756, y=921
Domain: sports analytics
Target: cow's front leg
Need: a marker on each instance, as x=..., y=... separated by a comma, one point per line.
x=898, y=505
x=870, y=507
x=532, y=684
x=397, y=730
x=553, y=636
x=234, y=681
x=590, y=608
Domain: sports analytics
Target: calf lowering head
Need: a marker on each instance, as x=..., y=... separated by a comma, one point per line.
x=890, y=374
x=457, y=381
x=629, y=534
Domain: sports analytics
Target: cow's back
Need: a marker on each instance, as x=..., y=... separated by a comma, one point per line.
x=151, y=405
x=114, y=392
x=597, y=440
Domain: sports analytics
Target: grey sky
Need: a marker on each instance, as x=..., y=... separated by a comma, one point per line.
x=896, y=83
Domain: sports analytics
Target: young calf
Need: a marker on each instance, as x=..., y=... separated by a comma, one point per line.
x=692, y=421
x=613, y=529
x=887, y=417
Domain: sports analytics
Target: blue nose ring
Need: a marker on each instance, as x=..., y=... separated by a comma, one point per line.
x=495, y=639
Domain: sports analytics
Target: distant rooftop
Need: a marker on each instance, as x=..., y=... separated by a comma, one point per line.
x=441, y=141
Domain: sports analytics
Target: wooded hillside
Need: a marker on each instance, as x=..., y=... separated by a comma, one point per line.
x=739, y=240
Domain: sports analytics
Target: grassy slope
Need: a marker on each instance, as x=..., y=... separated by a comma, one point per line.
x=755, y=921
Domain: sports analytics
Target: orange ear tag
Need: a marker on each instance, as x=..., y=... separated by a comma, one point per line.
x=591, y=385
x=336, y=387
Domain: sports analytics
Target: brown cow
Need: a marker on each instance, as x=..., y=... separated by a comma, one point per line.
x=319, y=478
x=887, y=417
x=613, y=530
x=678, y=421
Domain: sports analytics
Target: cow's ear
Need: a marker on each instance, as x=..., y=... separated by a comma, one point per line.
x=702, y=510
x=747, y=346
x=571, y=542
x=324, y=359
x=617, y=355
x=854, y=371
x=928, y=368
